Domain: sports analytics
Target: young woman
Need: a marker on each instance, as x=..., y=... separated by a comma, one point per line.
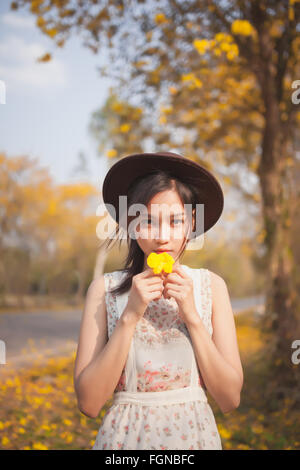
x=157, y=342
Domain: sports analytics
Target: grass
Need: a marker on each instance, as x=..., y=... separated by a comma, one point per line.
x=38, y=407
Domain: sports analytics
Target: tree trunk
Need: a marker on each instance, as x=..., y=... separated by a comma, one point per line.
x=281, y=321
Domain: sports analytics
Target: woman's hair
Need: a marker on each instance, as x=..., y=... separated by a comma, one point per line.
x=141, y=191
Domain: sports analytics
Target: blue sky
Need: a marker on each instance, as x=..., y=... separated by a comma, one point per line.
x=48, y=105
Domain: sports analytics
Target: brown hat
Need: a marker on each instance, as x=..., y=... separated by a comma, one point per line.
x=126, y=170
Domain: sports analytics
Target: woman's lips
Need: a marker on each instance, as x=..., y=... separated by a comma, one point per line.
x=162, y=251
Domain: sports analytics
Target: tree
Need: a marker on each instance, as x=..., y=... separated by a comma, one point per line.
x=222, y=71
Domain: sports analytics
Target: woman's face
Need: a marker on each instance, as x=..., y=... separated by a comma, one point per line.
x=164, y=226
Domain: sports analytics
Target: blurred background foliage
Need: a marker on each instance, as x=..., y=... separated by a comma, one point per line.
x=49, y=242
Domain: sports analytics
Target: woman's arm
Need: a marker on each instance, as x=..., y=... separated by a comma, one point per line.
x=218, y=356
x=99, y=361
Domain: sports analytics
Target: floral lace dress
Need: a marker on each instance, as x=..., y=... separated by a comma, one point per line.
x=159, y=402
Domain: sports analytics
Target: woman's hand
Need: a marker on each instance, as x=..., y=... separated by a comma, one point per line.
x=145, y=287
x=181, y=287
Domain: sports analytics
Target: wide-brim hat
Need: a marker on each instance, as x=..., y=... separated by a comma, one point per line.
x=126, y=170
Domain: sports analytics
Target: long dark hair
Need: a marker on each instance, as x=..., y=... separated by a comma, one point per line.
x=141, y=191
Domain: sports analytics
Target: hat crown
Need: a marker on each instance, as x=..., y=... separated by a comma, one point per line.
x=126, y=170
x=172, y=154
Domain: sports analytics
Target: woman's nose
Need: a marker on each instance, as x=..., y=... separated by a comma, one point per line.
x=163, y=232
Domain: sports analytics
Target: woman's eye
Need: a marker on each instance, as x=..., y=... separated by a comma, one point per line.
x=145, y=222
x=149, y=221
x=178, y=220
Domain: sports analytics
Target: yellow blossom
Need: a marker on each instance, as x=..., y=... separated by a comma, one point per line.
x=46, y=427
x=243, y=446
x=188, y=76
x=217, y=51
x=173, y=90
x=201, y=45
x=198, y=83
x=67, y=422
x=160, y=262
x=5, y=441
x=223, y=37
x=232, y=54
x=166, y=110
x=224, y=433
x=38, y=400
x=160, y=18
x=39, y=446
x=242, y=27
x=111, y=153
x=125, y=127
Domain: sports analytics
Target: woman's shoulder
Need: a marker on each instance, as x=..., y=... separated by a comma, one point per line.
x=193, y=270
x=218, y=287
x=215, y=279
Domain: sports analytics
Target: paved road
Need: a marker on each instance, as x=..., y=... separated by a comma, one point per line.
x=30, y=335
x=54, y=333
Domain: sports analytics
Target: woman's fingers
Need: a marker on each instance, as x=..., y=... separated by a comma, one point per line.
x=156, y=286
x=146, y=273
x=152, y=281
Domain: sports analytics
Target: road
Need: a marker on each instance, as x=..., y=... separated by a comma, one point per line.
x=40, y=335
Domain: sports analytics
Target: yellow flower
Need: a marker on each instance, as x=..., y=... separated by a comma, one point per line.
x=5, y=441
x=174, y=90
x=224, y=433
x=223, y=37
x=188, y=76
x=198, y=82
x=243, y=446
x=39, y=446
x=111, y=153
x=67, y=422
x=46, y=427
x=242, y=27
x=160, y=261
x=125, y=127
x=160, y=18
x=201, y=45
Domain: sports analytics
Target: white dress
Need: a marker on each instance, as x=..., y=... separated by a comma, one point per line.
x=159, y=402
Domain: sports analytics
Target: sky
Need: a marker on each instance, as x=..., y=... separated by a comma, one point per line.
x=48, y=105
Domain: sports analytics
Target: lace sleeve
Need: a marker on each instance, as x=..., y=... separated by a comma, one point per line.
x=111, y=307
x=112, y=318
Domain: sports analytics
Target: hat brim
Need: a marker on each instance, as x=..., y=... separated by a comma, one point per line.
x=123, y=173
